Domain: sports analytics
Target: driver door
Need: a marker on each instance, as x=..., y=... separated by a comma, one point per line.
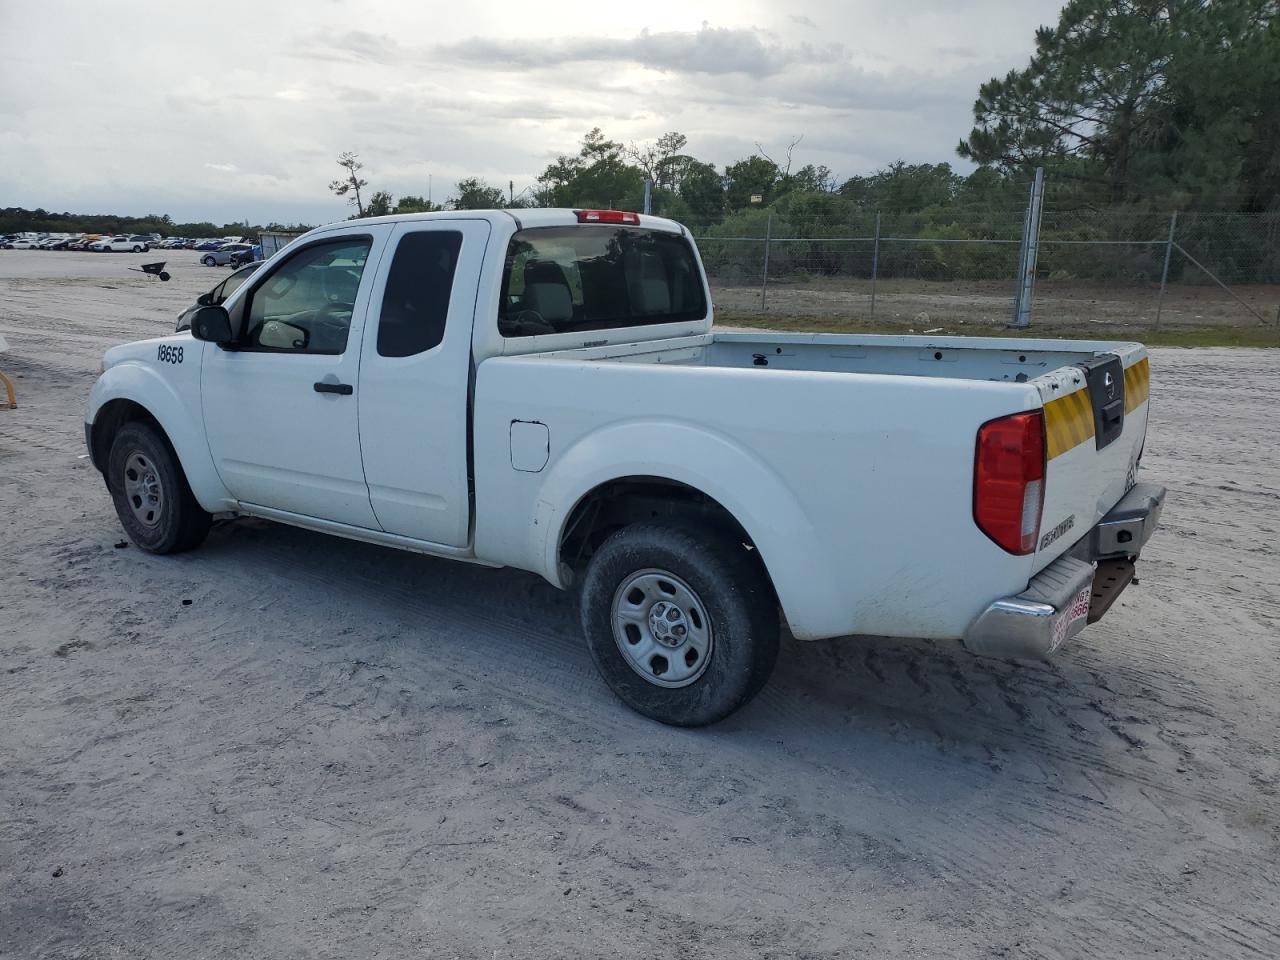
x=280, y=407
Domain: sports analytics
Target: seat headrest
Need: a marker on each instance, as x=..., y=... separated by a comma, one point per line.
x=544, y=271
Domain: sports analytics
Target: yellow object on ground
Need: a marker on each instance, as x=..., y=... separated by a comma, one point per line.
x=8, y=384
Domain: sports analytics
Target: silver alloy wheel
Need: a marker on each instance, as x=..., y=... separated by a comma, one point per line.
x=142, y=489
x=662, y=628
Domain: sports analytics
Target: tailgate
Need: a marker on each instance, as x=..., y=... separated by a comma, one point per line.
x=1095, y=421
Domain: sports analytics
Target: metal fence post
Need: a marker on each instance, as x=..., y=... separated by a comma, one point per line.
x=1168, y=255
x=764, y=284
x=648, y=196
x=1029, y=252
x=875, y=264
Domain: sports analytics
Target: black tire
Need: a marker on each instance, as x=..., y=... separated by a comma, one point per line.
x=209, y=261
x=180, y=523
x=726, y=580
x=137, y=249
x=164, y=275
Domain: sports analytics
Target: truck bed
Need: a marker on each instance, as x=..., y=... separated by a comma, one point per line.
x=862, y=449
x=960, y=358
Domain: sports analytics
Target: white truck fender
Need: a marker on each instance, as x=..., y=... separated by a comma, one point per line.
x=178, y=416
x=716, y=466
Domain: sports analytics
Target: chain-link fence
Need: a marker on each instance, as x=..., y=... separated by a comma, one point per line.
x=1091, y=266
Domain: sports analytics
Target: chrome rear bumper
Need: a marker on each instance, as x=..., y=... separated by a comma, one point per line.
x=1126, y=528
x=1055, y=606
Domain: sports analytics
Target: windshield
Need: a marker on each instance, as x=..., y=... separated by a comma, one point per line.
x=233, y=283
x=563, y=279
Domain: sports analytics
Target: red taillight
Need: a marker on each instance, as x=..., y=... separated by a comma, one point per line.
x=1008, y=480
x=608, y=216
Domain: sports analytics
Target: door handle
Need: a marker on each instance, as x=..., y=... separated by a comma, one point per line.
x=343, y=389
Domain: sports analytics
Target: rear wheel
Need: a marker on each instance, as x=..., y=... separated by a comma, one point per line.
x=209, y=262
x=681, y=623
x=137, y=249
x=152, y=497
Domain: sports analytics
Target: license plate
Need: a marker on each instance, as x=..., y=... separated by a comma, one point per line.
x=1076, y=611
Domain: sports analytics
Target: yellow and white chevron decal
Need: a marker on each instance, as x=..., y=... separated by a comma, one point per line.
x=1137, y=385
x=1068, y=422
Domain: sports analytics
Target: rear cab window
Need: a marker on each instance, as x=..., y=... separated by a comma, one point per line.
x=415, y=303
x=597, y=277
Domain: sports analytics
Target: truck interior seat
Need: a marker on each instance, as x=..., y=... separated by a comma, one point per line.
x=547, y=292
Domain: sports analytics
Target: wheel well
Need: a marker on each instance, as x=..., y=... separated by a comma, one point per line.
x=107, y=424
x=627, y=500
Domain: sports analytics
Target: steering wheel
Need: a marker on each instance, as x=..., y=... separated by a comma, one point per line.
x=529, y=323
x=337, y=308
x=334, y=315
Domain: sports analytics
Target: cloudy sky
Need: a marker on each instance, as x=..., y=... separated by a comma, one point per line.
x=230, y=109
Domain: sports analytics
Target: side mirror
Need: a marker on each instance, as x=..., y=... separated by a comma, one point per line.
x=212, y=324
x=205, y=299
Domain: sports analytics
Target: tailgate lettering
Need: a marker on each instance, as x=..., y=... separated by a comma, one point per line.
x=1057, y=531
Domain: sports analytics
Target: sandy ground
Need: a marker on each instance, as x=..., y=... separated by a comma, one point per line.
x=284, y=745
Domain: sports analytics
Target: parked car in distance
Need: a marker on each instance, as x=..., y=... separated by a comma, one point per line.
x=117, y=244
x=224, y=254
x=247, y=256
x=22, y=243
x=144, y=240
x=207, y=244
x=217, y=296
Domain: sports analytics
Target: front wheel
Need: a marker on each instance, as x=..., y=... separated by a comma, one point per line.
x=209, y=262
x=152, y=497
x=681, y=623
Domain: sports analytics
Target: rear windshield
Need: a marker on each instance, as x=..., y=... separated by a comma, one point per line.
x=597, y=277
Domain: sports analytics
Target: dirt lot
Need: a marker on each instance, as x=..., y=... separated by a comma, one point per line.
x=284, y=745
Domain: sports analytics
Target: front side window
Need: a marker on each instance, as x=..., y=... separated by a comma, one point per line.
x=306, y=305
x=415, y=303
x=597, y=277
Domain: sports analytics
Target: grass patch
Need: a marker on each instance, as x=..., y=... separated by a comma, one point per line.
x=1224, y=336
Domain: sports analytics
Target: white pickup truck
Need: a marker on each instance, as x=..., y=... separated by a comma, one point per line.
x=543, y=389
x=116, y=244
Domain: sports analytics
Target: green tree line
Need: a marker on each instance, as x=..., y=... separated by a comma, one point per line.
x=19, y=220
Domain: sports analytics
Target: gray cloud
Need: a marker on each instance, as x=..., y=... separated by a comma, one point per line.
x=352, y=46
x=710, y=50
